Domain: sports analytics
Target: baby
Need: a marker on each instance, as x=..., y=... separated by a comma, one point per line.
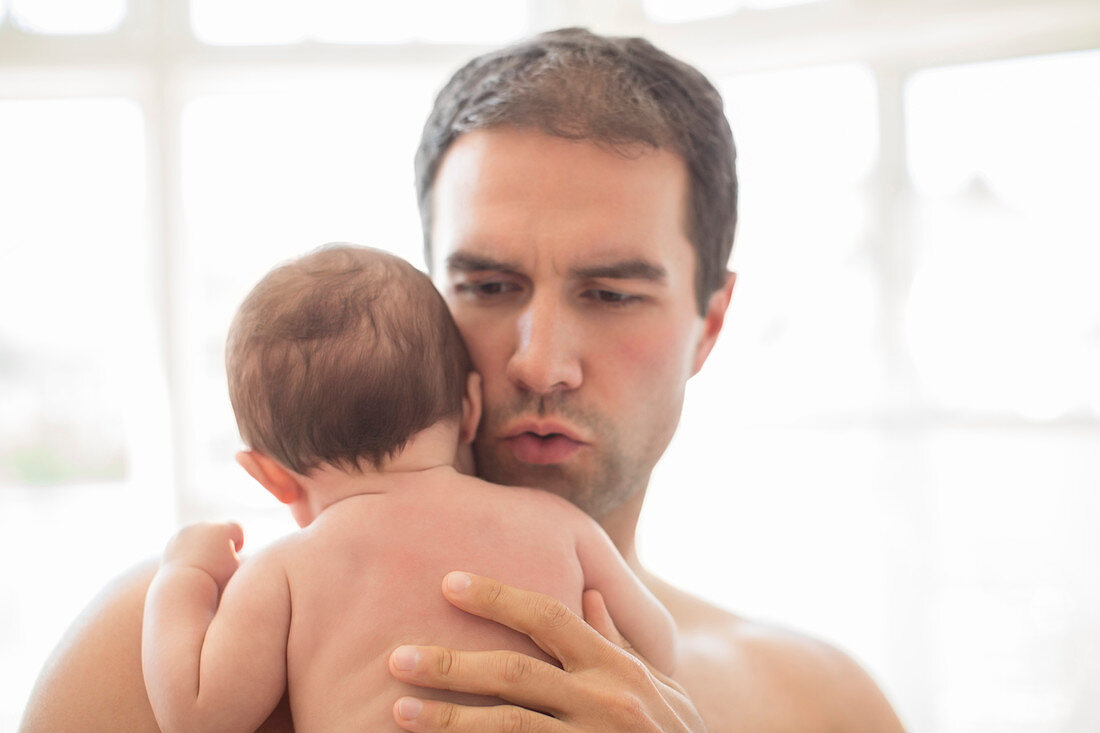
x=355, y=396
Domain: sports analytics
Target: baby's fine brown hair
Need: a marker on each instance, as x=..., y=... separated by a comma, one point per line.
x=340, y=357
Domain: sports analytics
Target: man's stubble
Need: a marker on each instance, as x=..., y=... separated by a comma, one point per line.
x=607, y=477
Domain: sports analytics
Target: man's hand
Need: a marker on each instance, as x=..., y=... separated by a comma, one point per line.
x=601, y=686
x=209, y=546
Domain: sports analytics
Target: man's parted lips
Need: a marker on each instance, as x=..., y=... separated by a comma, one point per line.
x=543, y=429
x=543, y=443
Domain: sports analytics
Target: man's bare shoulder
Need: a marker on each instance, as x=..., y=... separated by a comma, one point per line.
x=93, y=680
x=744, y=675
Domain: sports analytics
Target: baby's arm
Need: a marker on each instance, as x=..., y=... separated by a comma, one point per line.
x=638, y=615
x=213, y=666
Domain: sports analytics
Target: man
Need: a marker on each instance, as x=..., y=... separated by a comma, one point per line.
x=578, y=198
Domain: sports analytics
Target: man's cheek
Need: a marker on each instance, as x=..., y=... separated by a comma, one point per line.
x=648, y=353
x=487, y=349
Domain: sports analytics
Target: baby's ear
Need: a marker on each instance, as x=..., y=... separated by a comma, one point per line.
x=271, y=474
x=471, y=409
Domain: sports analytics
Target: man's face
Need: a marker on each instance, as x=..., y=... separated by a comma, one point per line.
x=570, y=275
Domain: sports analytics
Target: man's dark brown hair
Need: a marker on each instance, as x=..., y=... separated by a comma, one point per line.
x=615, y=92
x=340, y=357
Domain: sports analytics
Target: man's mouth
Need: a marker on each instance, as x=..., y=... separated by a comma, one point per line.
x=541, y=450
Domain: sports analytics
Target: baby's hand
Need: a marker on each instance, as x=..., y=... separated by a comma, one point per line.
x=208, y=546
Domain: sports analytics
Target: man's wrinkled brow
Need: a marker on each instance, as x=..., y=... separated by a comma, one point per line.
x=633, y=269
x=624, y=270
x=462, y=262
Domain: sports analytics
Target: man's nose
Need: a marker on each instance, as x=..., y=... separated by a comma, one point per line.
x=546, y=358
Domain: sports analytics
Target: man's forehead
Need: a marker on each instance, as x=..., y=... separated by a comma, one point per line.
x=532, y=202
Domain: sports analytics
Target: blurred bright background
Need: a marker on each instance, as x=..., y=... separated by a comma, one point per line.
x=895, y=445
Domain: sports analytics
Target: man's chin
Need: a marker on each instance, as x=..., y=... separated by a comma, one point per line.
x=595, y=492
x=549, y=477
x=557, y=478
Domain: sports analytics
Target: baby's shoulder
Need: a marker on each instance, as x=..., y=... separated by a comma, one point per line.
x=264, y=567
x=274, y=553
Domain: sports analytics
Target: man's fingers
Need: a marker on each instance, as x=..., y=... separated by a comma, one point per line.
x=601, y=685
x=423, y=716
x=508, y=675
x=547, y=621
x=597, y=616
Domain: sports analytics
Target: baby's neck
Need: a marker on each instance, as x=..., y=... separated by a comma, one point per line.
x=429, y=453
x=334, y=485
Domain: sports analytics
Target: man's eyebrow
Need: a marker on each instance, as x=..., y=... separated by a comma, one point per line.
x=633, y=269
x=624, y=270
x=462, y=262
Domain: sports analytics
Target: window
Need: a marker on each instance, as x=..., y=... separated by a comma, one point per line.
x=1003, y=158
x=69, y=393
x=807, y=144
x=85, y=456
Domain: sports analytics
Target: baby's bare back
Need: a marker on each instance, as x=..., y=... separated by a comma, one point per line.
x=365, y=578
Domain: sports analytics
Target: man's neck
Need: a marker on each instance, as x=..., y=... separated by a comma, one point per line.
x=621, y=525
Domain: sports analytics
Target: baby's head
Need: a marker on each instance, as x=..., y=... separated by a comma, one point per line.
x=340, y=357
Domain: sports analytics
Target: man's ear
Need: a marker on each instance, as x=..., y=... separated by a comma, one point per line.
x=471, y=409
x=271, y=475
x=713, y=319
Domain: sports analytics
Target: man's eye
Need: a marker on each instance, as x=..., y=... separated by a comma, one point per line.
x=485, y=289
x=612, y=297
x=489, y=288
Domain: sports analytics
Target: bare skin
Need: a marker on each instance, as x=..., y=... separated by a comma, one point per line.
x=741, y=676
x=218, y=655
x=733, y=674
x=574, y=292
x=570, y=273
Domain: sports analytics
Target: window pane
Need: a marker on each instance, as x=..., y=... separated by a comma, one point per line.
x=247, y=21
x=1012, y=619
x=804, y=309
x=1004, y=313
x=682, y=11
x=84, y=474
x=334, y=21
x=270, y=174
x=72, y=281
x=770, y=4
x=800, y=341
x=69, y=16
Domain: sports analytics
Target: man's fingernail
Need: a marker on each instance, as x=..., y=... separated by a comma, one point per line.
x=405, y=658
x=409, y=707
x=458, y=582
